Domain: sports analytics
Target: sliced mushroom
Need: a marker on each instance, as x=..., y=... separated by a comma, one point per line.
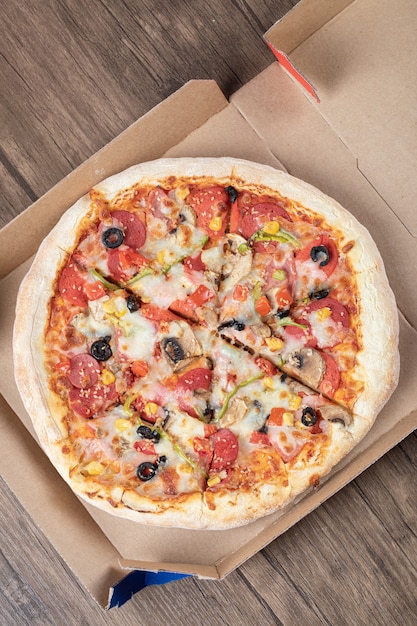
x=236, y=265
x=261, y=330
x=335, y=413
x=180, y=345
x=307, y=365
x=193, y=362
x=236, y=411
x=213, y=259
x=188, y=215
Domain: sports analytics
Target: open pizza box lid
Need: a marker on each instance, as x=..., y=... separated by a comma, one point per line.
x=356, y=145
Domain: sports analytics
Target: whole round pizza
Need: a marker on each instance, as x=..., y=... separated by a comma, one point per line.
x=199, y=341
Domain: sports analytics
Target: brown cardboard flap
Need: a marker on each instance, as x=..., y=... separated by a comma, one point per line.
x=146, y=139
x=361, y=64
x=302, y=21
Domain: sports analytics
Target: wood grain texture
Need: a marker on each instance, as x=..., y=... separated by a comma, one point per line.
x=74, y=74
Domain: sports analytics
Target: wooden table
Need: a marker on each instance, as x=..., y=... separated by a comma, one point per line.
x=75, y=73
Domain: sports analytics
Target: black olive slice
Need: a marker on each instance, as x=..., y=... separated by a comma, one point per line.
x=148, y=433
x=146, y=470
x=232, y=323
x=100, y=349
x=132, y=303
x=318, y=295
x=320, y=255
x=231, y=192
x=282, y=313
x=113, y=237
x=173, y=349
x=308, y=417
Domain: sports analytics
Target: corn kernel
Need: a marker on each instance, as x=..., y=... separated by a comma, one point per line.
x=294, y=401
x=274, y=343
x=213, y=480
x=109, y=306
x=271, y=228
x=151, y=408
x=122, y=424
x=215, y=224
x=94, y=468
x=324, y=313
x=107, y=377
x=288, y=418
x=161, y=256
x=182, y=193
x=268, y=382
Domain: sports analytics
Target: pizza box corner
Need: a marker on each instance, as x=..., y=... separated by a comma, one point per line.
x=323, y=112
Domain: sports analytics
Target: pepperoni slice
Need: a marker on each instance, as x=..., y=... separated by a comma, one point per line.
x=328, y=265
x=71, y=284
x=134, y=228
x=89, y=402
x=225, y=450
x=255, y=217
x=84, y=371
x=211, y=206
x=331, y=378
x=304, y=335
x=339, y=312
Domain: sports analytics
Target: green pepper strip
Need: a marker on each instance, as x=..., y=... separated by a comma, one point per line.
x=282, y=236
x=145, y=272
x=232, y=393
x=107, y=283
x=287, y=321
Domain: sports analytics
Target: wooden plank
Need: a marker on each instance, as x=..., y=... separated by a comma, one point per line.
x=75, y=73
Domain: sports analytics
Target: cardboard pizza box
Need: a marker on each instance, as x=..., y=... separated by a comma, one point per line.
x=336, y=110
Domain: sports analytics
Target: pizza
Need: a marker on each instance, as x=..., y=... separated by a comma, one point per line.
x=200, y=341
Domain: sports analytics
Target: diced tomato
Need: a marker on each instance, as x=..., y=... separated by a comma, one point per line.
x=331, y=378
x=197, y=379
x=263, y=306
x=258, y=437
x=139, y=368
x=209, y=429
x=234, y=218
x=157, y=314
x=145, y=446
x=323, y=240
x=240, y=293
x=283, y=298
x=184, y=308
x=194, y=263
x=266, y=366
x=275, y=417
x=201, y=295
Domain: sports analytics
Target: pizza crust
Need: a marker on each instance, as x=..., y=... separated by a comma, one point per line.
x=378, y=359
